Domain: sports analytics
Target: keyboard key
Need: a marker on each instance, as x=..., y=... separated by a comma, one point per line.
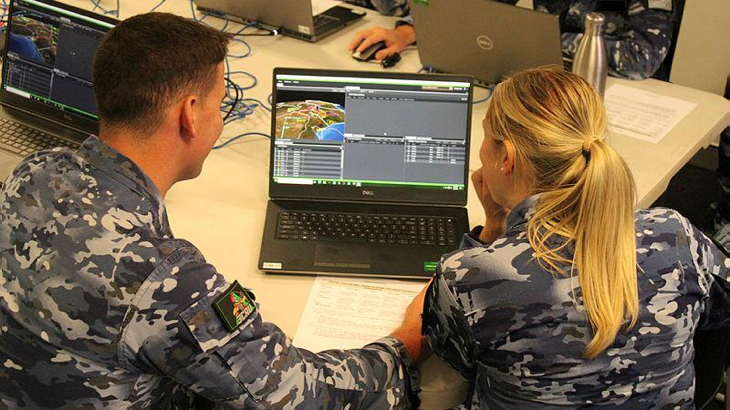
x=21, y=139
x=381, y=229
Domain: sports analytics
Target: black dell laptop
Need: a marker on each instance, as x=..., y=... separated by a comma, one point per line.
x=368, y=174
x=47, y=96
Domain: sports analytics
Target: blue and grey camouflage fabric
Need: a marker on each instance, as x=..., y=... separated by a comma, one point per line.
x=518, y=333
x=637, y=40
x=397, y=8
x=102, y=307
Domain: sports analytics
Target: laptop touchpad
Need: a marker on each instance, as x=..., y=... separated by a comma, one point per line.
x=342, y=256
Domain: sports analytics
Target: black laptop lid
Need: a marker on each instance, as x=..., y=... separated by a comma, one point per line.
x=370, y=136
x=48, y=60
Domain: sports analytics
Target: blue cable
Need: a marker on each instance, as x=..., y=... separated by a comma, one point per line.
x=257, y=103
x=158, y=5
x=195, y=18
x=237, y=137
x=97, y=5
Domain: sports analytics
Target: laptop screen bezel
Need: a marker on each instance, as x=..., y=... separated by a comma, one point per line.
x=344, y=193
x=66, y=118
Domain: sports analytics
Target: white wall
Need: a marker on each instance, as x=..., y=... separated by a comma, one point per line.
x=702, y=58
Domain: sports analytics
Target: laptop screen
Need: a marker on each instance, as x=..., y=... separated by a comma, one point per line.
x=371, y=136
x=49, y=57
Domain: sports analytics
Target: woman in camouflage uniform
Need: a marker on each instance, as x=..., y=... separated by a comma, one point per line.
x=569, y=296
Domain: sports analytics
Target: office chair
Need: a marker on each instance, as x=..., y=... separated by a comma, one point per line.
x=710, y=362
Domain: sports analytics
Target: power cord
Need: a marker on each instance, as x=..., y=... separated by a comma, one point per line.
x=490, y=90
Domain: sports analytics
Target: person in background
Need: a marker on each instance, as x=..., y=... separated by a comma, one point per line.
x=568, y=296
x=717, y=216
x=638, y=32
x=101, y=306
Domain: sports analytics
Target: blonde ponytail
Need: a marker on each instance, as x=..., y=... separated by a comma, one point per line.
x=557, y=124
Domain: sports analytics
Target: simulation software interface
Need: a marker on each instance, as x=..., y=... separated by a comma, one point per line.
x=50, y=55
x=370, y=131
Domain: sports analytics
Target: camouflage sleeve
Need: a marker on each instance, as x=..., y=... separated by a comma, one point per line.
x=444, y=322
x=711, y=265
x=637, y=47
x=173, y=330
x=397, y=8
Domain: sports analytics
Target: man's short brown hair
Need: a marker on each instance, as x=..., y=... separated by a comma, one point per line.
x=147, y=62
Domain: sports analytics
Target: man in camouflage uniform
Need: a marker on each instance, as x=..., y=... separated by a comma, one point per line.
x=101, y=306
x=638, y=32
x=514, y=332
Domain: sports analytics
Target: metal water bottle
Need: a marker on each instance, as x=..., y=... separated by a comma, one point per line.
x=591, y=61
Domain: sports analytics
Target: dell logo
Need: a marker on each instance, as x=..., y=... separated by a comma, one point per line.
x=368, y=192
x=485, y=42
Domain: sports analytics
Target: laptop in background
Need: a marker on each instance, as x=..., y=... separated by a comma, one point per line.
x=485, y=39
x=46, y=97
x=293, y=18
x=368, y=174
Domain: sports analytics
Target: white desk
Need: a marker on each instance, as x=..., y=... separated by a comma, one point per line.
x=222, y=211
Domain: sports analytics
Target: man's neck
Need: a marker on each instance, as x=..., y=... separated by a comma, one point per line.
x=148, y=154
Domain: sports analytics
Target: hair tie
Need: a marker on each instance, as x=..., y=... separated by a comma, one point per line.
x=587, y=143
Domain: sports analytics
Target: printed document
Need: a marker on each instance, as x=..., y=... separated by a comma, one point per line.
x=345, y=313
x=642, y=114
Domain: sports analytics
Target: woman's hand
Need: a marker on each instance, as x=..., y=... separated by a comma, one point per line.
x=496, y=214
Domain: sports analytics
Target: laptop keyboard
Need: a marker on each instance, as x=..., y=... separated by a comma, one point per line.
x=22, y=140
x=321, y=20
x=366, y=228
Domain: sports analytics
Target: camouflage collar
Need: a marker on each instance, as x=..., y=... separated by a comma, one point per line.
x=522, y=212
x=113, y=163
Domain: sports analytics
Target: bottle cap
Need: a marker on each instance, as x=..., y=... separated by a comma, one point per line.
x=594, y=21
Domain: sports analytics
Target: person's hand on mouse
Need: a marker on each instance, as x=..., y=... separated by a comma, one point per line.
x=395, y=40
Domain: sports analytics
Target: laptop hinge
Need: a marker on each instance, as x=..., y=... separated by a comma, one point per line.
x=44, y=118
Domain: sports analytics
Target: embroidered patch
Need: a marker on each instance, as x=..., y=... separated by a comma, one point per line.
x=234, y=306
x=660, y=5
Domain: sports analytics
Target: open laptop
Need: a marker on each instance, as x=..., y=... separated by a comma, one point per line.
x=368, y=172
x=46, y=96
x=293, y=18
x=484, y=39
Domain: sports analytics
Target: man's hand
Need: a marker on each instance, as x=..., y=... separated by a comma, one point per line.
x=409, y=332
x=395, y=40
x=496, y=214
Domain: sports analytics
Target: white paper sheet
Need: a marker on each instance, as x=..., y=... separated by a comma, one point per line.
x=642, y=114
x=318, y=6
x=350, y=313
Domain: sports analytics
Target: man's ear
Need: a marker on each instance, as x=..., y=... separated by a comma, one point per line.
x=508, y=157
x=187, y=117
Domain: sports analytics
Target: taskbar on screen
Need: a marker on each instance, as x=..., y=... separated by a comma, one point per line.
x=359, y=183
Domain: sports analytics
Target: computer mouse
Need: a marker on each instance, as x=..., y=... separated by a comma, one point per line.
x=369, y=53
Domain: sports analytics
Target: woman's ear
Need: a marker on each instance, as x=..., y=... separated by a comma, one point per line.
x=507, y=157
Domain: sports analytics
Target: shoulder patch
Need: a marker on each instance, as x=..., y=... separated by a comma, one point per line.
x=660, y=4
x=234, y=306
